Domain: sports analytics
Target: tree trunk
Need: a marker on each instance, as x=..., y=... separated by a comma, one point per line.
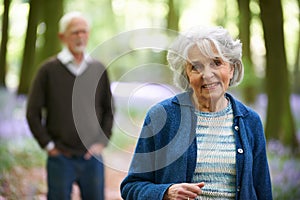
x=173, y=16
x=280, y=123
x=297, y=61
x=222, y=16
x=249, y=84
x=29, y=49
x=4, y=40
x=53, y=11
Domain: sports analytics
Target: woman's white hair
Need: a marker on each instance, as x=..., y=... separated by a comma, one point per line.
x=68, y=17
x=208, y=39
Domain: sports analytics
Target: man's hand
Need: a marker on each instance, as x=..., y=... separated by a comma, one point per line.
x=53, y=152
x=95, y=149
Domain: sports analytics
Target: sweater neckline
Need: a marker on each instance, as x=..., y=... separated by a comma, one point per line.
x=220, y=113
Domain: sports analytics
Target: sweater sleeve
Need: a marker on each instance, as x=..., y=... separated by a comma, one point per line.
x=35, y=105
x=106, y=122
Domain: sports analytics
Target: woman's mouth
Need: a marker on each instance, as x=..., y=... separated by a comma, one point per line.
x=210, y=85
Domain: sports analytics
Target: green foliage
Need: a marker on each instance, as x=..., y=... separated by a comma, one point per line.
x=125, y=134
x=120, y=140
x=22, y=152
x=18, y=158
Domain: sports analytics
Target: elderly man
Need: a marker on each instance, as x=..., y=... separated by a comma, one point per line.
x=59, y=117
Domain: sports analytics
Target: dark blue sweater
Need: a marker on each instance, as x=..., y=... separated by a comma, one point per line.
x=166, y=152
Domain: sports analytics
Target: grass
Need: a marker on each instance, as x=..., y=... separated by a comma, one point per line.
x=22, y=152
x=18, y=159
x=121, y=140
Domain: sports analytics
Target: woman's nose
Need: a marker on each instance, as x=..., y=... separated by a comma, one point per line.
x=207, y=72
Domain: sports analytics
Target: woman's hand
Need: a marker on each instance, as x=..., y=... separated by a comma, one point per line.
x=183, y=191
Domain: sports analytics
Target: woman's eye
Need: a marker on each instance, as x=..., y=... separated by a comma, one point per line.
x=217, y=62
x=195, y=68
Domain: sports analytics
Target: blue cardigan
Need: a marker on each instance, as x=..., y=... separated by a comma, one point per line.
x=166, y=151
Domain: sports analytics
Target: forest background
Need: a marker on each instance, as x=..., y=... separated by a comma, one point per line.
x=268, y=29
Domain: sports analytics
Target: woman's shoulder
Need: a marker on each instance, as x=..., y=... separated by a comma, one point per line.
x=241, y=109
x=174, y=101
x=163, y=106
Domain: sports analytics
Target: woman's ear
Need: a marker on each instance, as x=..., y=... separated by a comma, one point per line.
x=231, y=73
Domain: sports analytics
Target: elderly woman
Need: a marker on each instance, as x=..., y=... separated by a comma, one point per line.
x=202, y=143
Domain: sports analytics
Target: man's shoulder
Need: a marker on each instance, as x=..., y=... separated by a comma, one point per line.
x=96, y=68
x=50, y=62
x=95, y=63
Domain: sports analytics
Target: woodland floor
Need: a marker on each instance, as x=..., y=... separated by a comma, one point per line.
x=30, y=183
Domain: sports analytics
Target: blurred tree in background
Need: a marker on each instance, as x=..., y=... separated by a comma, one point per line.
x=250, y=87
x=296, y=73
x=45, y=14
x=49, y=44
x=280, y=122
x=4, y=39
x=27, y=66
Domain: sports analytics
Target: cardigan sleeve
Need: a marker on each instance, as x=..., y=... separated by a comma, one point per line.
x=163, y=154
x=143, y=180
x=140, y=181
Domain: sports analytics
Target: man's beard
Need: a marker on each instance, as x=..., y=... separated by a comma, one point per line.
x=79, y=48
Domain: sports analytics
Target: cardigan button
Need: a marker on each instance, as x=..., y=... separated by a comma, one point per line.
x=240, y=150
x=236, y=128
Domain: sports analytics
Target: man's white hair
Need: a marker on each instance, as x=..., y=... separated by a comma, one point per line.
x=68, y=17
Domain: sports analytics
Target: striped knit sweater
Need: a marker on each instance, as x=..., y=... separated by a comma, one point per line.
x=215, y=154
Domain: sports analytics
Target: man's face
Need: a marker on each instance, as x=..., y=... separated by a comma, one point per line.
x=76, y=36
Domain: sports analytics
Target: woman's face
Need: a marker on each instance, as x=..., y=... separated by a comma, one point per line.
x=209, y=78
